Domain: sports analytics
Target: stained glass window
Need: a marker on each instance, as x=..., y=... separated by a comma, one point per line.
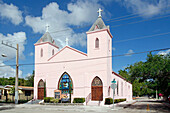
x=97, y=82
x=65, y=83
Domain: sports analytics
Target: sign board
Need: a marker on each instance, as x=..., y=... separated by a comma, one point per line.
x=57, y=94
x=113, y=86
x=113, y=81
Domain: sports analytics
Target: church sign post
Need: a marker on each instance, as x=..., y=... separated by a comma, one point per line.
x=113, y=86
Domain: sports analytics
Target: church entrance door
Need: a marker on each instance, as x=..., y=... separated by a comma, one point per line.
x=97, y=89
x=41, y=90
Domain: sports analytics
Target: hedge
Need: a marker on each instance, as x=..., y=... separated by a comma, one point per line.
x=109, y=101
x=50, y=100
x=79, y=100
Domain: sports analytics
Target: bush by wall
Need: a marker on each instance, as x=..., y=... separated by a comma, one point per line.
x=50, y=100
x=119, y=100
x=79, y=100
x=109, y=101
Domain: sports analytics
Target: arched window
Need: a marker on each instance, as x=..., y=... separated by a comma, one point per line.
x=97, y=43
x=65, y=84
x=53, y=52
x=41, y=52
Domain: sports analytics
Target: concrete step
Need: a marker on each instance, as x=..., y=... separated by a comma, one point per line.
x=95, y=103
x=33, y=101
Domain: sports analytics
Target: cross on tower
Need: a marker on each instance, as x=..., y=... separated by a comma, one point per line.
x=66, y=41
x=47, y=26
x=100, y=12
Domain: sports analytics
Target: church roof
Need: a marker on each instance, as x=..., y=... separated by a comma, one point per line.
x=45, y=38
x=73, y=49
x=120, y=76
x=99, y=24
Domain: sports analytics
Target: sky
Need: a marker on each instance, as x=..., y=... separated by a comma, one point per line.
x=136, y=26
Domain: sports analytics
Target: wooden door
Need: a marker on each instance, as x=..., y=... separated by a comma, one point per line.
x=41, y=93
x=41, y=90
x=97, y=89
x=97, y=93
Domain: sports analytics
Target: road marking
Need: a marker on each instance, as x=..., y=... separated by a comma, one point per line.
x=148, y=107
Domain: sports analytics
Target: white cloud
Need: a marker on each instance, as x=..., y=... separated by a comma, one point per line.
x=11, y=12
x=164, y=52
x=31, y=54
x=146, y=8
x=79, y=13
x=16, y=38
x=8, y=71
x=130, y=51
x=114, y=49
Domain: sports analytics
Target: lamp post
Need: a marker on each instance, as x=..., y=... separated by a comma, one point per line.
x=17, y=65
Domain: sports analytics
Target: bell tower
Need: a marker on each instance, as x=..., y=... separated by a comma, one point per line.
x=99, y=39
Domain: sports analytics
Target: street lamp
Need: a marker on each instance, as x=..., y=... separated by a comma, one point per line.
x=3, y=55
x=17, y=65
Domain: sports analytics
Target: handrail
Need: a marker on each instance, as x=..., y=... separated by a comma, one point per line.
x=88, y=98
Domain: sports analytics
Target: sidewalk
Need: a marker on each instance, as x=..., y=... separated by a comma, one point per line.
x=6, y=106
x=122, y=105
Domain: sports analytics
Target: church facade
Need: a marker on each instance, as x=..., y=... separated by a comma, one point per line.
x=85, y=75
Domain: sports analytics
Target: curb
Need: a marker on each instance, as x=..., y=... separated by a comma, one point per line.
x=129, y=104
x=5, y=108
x=166, y=104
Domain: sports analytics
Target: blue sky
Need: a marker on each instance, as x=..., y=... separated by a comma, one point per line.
x=24, y=22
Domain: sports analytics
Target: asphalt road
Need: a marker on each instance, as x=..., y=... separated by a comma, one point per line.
x=141, y=106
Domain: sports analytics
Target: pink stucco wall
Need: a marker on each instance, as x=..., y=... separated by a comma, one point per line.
x=80, y=66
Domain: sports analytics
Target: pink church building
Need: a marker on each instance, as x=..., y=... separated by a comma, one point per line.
x=86, y=75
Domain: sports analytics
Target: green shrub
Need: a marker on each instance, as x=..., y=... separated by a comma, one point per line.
x=50, y=100
x=119, y=100
x=47, y=99
x=116, y=100
x=79, y=100
x=108, y=101
x=53, y=100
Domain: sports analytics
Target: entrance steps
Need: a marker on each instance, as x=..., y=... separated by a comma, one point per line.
x=95, y=103
x=33, y=101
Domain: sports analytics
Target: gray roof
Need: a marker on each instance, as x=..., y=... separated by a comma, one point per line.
x=45, y=38
x=100, y=24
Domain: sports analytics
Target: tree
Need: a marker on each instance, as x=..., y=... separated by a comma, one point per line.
x=30, y=80
x=154, y=72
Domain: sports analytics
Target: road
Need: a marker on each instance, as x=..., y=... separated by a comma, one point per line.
x=141, y=106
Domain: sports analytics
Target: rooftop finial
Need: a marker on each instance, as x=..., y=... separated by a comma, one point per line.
x=66, y=41
x=47, y=26
x=100, y=12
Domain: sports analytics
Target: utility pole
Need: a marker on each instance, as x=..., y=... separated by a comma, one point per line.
x=16, y=78
x=17, y=65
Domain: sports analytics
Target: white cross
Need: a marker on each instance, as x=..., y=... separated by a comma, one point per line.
x=66, y=41
x=100, y=12
x=47, y=26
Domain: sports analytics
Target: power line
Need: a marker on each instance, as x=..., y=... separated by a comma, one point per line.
x=141, y=21
x=95, y=58
x=119, y=24
x=147, y=36
x=110, y=20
